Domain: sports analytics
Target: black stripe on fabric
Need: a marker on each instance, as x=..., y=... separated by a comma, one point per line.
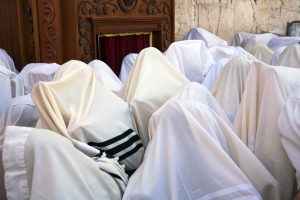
x=112, y=140
x=131, y=152
x=115, y=176
x=122, y=146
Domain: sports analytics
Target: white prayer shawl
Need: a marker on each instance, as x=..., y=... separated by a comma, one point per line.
x=290, y=57
x=5, y=88
x=7, y=61
x=78, y=107
x=277, y=42
x=265, y=93
x=289, y=126
x=126, y=66
x=152, y=81
x=41, y=164
x=275, y=56
x=194, y=154
x=106, y=76
x=209, y=38
x=192, y=91
x=30, y=75
x=262, y=52
x=229, y=86
x=191, y=58
x=220, y=52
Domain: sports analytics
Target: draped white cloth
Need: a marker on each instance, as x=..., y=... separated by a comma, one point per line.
x=229, y=86
x=290, y=57
x=5, y=88
x=191, y=58
x=194, y=154
x=96, y=120
x=262, y=52
x=152, y=81
x=7, y=61
x=105, y=75
x=220, y=52
x=265, y=93
x=41, y=164
x=277, y=42
x=289, y=126
x=126, y=66
x=31, y=74
x=209, y=38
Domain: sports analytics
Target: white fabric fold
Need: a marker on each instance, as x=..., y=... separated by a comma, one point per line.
x=277, y=42
x=126, y=66
x=262, y=52
x=290, y=57
x=7, y=61
x=152, y=81
x=105, y=75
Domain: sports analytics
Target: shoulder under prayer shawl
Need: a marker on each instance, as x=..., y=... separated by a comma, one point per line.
x=229, y=86
x=210, y=39
x=41, y=164
x=276, y=54
x=152, y=81
x=96, y=120
x=32, y=73
x=262, y=52
x=192, y=91
x=266, y=91
x=126, y=67
x=191, y=58
x=106, y=76
x=7, y=61
x=290, y=57
x=289, y=126
x=194, y=154
x=277, y=42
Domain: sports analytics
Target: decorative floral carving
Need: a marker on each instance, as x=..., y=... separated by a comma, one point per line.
x=127, y=5
x=28, y=13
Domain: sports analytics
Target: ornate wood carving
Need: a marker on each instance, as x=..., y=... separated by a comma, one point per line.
x=49, y=24
x=126, y=10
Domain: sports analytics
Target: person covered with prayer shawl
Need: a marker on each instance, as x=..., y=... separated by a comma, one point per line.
x=262, y=52
x=151, y=82
x=290, y=57
x=266, y=90
x=194, y=154
x=289, y=126
x=229, y=86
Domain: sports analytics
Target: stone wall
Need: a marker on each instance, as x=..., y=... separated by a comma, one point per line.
x=226, y=17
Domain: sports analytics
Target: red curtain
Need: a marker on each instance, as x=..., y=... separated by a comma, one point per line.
x=113, y=49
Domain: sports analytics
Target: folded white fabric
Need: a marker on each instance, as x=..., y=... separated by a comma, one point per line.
x=209, y=38
x=41, y=164
x=5, y=88
x=126, y=67
x=152, y=81
x=228, y=52
x=7, y=61
x=105, y=75
x=229, y=87
x=87, y=113
x=262, y=52
x=30, y=75
x=265, y=93
x=290, y=57
x=194, y=154
x=289, y=126
x=277, y=42
x=191, y=58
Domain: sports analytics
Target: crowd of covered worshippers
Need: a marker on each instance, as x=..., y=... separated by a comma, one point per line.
x=203, y=120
